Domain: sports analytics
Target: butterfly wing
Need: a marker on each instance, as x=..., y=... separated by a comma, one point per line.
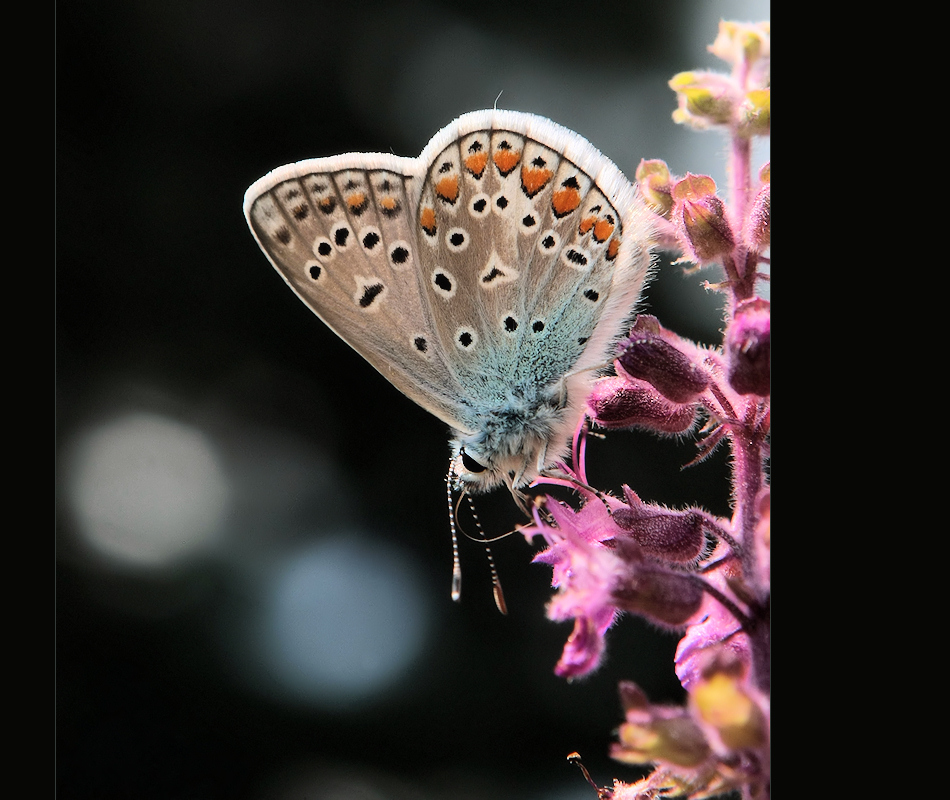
x=502, y=261
x=341, y=233
x=533, y=248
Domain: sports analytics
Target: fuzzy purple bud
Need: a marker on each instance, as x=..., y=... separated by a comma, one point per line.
x=621, y=402
x=749, y=348
x=648, y=355
x=676, y=536
x=668, y=599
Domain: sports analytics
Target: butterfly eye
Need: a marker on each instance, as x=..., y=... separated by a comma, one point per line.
x=471, y=464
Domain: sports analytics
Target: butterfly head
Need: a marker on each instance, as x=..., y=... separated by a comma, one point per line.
x=489, y=458
x=476, y=473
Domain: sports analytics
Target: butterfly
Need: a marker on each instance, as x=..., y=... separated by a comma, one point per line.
x=488, y=279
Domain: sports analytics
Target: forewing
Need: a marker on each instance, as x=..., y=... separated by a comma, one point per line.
x=341, y=232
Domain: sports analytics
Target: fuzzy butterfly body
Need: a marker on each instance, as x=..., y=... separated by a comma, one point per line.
x=487, y=279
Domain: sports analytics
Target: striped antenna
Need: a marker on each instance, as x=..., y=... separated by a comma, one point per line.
x=495, y=581
x=456, y=563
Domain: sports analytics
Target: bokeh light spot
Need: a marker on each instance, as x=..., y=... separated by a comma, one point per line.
x=145, y=490
x=344, y=620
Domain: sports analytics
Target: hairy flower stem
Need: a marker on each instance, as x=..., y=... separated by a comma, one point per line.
x=748, y=479
x=740, y=175
x=744, y=621
x=747, y=437
x=760, y=639
x=741, y=266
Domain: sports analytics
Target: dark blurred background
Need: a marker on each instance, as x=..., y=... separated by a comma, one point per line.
x=253, y=554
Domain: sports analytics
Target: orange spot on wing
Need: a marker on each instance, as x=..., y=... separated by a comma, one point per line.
x=613, y=248
x=327, y=204
x=586, y=224
x=565, y=201
x=534, y=179
x=448, y=188
x=506, y=160
x=427, y=221
x=602, y=230
x=356, y=201
x=390, y=206
x=476, y=162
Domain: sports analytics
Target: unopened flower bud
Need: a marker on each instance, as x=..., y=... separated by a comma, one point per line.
x=621, y=402
x=739, y=41
x=700, y=219
x=656, y=183
x=724, y=704
x=676, y=536
x=657, y=733
x=758, y=225
x=754, y=117
x=632, y=697
x=704, y=99
x=677, y=740
x=649, y=356
x=749, y=348
x=666, y=598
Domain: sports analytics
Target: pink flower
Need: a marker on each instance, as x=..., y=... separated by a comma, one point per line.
x=584, y=571
x=609, y=557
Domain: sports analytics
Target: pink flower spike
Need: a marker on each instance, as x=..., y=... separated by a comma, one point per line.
x=684, y=569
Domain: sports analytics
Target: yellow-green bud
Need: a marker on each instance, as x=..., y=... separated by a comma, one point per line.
x=742, y=41
x=755, y=115
x=655, y=181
